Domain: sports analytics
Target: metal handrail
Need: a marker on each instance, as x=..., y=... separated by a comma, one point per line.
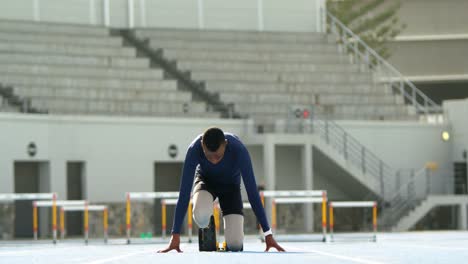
x=403, y=187
x=427, y=106
x=353, y=151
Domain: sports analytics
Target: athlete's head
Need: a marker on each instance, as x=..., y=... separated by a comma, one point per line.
x=214, y=144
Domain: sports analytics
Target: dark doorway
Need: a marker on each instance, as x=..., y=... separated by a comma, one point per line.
x=167, y=177
x=74, y=220
x=460, y=178
x=26, y=181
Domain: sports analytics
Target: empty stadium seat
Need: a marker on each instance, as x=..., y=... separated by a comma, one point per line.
x=71, y=69
x=264, y=73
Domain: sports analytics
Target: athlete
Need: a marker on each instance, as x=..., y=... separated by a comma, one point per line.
x=217, y=160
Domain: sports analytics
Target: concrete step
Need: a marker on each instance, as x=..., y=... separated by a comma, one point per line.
x=199, y=45
x=326, y=87
x=89, y=72
x=271, y=119
x=258, y=57
x=6, y=108
x=53, y=81
x=302, y=98
x=116, y=107
x=106, y=41
x=72, y=60
x=68, y=49
x=377, y=109
x=103, y=94
x=283, y=77
x=376, y=112
x=234, y=36
x=48, y=28
x=265, y=67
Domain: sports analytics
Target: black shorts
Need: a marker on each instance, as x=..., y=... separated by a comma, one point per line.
x=229, y=196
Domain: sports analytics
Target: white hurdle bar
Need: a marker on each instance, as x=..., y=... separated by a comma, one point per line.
x=11, y=197
x=354, y=204
x=295, y=200
x=37, y=204
x=309, y=196
x=86, y=208
x=294, y=193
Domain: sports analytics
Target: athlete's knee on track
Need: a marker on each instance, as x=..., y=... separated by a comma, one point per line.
x=234, y=231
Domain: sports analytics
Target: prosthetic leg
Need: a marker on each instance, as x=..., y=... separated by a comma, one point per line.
x=207, y=237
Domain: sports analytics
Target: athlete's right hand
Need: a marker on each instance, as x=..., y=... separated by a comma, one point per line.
x=174, y=244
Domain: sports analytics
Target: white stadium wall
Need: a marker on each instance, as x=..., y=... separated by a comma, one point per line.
x=402, y=144
x=269, y=15
x=457, y=112
x=119, y=153
x=408, y=145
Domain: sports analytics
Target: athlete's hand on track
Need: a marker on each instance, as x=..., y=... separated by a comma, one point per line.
x=271, y=243
x=173, y=244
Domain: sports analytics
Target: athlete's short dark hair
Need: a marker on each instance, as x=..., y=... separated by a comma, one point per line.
x=213, y=138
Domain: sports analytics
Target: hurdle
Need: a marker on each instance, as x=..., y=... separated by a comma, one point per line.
x=142, y=196
x=299, y=196
x=354, y=204
x=51, y=203
x=86, y=208
x=11, y=197
x=164, y=203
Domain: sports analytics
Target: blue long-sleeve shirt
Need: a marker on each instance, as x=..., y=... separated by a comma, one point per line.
x=235, y=162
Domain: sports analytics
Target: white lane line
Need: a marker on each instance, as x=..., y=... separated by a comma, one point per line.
x=358, y=260
x=99, y=261
x=435, y=247
x=22, y=252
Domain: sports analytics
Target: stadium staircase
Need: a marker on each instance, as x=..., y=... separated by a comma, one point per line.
x=9, y=102
x=417, y=213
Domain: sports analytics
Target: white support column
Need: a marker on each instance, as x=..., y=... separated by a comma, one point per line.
x=131, y=13
x=58, y=177
x=143, y=13
x=308, y=176
x=269, y=170
x=318, y=18
x=269, y=154
x=260, y=19
x=462, y=220
x=323, y=15
x=7, y=176
x=36, y=10
x=201, y=14
x=92, y=12
x=106, y=12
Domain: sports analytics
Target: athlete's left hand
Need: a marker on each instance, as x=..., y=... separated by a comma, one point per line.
x=271, y=243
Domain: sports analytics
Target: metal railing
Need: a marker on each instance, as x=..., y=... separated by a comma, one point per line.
x=354, y=153
x=384, y=71
x=184, y=78
x=417, y=186
x=397, y=190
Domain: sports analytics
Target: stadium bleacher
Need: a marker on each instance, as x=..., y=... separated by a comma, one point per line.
x=262, y=73
x=70, y=69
